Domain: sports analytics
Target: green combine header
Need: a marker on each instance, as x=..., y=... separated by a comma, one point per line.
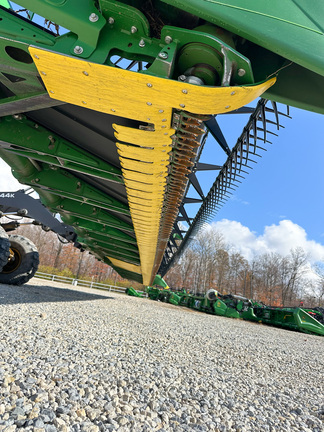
x=232, y=306
x=105, y=107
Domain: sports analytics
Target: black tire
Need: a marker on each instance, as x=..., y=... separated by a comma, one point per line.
x=24, y=264
x=4, y=248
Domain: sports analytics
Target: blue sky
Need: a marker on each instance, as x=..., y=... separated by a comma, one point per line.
x=287, y=182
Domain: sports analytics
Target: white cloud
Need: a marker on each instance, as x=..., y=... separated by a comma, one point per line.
x=279, y=238
x=7, y=180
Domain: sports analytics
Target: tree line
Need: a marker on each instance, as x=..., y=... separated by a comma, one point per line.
x=208, y=262
x=271, y=278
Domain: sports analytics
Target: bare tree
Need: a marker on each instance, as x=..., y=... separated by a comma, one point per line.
x=292, y=270
x=206, y=247
x=222, y=265
x=267, y=276
x=317, y=289
x=237, y=267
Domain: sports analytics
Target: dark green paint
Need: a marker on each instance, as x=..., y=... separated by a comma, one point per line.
x=104, y=239
x=86, y=228
x=132, y=292
x=110, y=250
x=200, y=45
x=293, y=28
x=66, y=185
x=37, y=142
x=73, y=15
x=66, y=206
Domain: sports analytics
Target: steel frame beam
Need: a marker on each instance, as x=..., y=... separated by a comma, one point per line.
x=24, y=137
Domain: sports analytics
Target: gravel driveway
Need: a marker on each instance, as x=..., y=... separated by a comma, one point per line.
x=75, y=359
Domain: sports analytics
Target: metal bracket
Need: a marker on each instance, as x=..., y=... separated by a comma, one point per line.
x=236, y=67
x=80, y=17
x=51, y=149
x=15, y=202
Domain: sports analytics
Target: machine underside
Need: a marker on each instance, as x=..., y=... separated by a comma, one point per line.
x=106, y=106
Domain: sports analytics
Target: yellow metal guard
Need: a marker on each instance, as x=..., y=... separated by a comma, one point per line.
x=145, y=159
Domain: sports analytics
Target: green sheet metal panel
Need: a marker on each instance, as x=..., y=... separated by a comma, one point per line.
x=174, y=299
x=132, y=292
x=232, y=313
x=306, y=323
x=290, y=28
x=249, y=315
x=220, y=307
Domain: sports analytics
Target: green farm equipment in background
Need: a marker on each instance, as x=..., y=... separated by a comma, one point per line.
x=163, y=295
x=132, y=292
x=105, y=107
x=232, y=306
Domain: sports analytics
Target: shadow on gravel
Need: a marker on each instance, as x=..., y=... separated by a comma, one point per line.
x=10, y=294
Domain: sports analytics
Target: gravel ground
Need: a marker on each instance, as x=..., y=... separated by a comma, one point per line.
x=76, y=359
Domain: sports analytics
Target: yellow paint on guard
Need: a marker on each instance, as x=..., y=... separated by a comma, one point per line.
x=125, y=265
x=147, y=99
x=127, y=94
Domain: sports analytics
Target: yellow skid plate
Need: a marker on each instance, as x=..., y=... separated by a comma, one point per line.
x=144, y=98
x=131, y=94
x=125, y=265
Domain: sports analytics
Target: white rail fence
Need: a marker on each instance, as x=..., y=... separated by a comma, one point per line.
x=82, y=283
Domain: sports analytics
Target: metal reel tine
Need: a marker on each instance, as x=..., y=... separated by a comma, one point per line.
x=264, y=122
x=268, y=131
x=255, y=129
x=275, y=110
x=247, y=143
x=132, y=64
x=274, y=123
x=118, y=61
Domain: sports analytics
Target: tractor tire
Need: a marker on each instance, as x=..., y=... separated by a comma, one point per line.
x=24, y=263
x=4, y=248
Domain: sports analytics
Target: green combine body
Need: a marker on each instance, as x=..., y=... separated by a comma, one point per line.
x=105, y=107
x=305, y=320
